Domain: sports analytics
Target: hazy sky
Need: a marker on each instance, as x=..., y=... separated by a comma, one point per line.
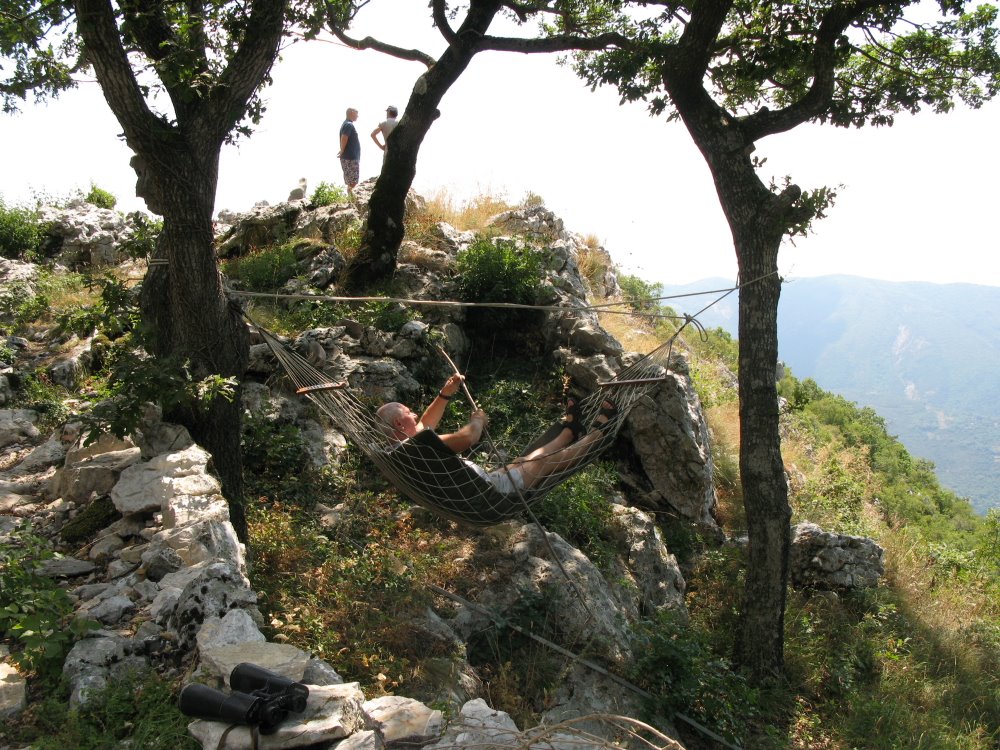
x=920, y=200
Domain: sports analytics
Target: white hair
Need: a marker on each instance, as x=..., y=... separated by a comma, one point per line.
x=387, y=415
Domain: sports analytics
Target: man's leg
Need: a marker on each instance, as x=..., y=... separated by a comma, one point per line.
x=559, y=435
x=533, y=470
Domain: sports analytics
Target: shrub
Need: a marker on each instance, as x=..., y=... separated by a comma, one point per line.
x=264, y=270
x=19, y=305
x=578, y=509
x=38, y=393
x=677, y=666
x=326, y=194
x=519, y=673
x=273, y=453
x=34, y=611
x=115, y=314
x=639, y=295
x=142, y=242
x=136, y=380
x=500, y=271
x=20, y=232
x=134, y=710
x=100, y=198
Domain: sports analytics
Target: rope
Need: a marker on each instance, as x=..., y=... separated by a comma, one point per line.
x=448, y=303
x=604, y=307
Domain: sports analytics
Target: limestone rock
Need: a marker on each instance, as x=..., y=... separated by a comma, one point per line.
x=404, y=719
x=827, y=560
x=13, y=688
x=332, y=712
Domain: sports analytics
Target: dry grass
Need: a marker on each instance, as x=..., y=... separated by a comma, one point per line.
x=724, y=425
x=592, y=261
x=471, y=215
x=632, y=331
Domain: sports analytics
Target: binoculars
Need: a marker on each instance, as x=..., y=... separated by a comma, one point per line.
x=259, y=698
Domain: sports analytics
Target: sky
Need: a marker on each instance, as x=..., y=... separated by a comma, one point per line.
x=919, y=200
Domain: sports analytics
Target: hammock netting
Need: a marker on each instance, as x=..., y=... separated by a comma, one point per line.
x=430, y=474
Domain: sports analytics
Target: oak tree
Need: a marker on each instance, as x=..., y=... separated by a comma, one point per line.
x=181, y=78
x=736, y=72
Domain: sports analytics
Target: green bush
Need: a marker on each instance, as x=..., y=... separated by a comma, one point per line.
x=145, y=233
x=640, y=295
x=34, y=611
x=578, y=510
x=500, y=271
x=136, y=379
x=133, y=711
x=100, y=198
x=326, y=194
x=265, y=270
x=676, y=664
x=20, y=232
x=115, y=314
x=20, y=305
x=273, y=453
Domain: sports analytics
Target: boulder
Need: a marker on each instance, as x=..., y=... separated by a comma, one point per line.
x=830, y=561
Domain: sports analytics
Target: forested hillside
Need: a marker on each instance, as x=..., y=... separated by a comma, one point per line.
x=924, y=356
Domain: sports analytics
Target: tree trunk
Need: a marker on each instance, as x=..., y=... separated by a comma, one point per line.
x=756, y=223
x=760, y=643
x=376, y=258
x=191, y=321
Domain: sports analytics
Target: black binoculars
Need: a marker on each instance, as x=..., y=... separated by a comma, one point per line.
x=259, y=698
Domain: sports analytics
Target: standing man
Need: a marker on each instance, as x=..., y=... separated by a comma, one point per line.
x=350, y=151
x=385, y=127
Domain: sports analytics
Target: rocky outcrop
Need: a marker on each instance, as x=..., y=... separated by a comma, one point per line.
x=830, y=561
x=81, y=234
x=168, y=578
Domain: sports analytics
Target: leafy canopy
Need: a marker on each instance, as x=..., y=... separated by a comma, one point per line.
x=191, y=52
x=849, y=63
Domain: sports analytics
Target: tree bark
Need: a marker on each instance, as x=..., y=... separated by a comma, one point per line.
x=760, y=643
x=191, y=320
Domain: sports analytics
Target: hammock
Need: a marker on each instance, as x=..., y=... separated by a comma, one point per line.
x=433, y=476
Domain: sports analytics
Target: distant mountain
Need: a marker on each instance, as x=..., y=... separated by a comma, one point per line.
x=925, y=356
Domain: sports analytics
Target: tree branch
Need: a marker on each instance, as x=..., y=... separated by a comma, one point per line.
x=368, y=42
x=97, y=27
x=817, y=99
x=552, y=44
x=441, y=21
x=143, y=23
x=248, y=66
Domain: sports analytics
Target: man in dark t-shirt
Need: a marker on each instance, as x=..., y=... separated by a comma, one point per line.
x=350, y=151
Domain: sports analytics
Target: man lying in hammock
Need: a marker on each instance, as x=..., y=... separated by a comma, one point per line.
x=561, y=452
